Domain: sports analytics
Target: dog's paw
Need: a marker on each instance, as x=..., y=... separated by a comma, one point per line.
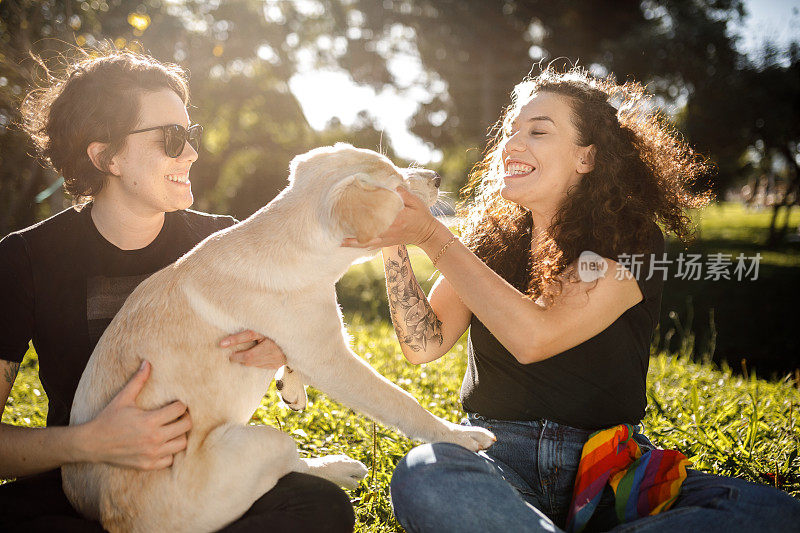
x=291, y=388
x=470, y=437
x=340, y=469
x=295, y=402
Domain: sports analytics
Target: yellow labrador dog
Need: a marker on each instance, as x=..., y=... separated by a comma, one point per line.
x=273, y=273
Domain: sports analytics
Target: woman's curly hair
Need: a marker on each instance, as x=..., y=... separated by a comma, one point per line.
x=641, y=178
x=95, y=99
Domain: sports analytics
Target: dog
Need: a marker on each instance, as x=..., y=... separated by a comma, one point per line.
x=273, y=273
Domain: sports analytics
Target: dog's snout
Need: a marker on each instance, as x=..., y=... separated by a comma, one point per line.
x=423, y=182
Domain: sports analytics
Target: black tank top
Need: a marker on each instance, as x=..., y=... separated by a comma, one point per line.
x=596, y=384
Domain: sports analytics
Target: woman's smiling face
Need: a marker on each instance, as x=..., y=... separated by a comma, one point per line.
x=147, y=180
x=541, y=159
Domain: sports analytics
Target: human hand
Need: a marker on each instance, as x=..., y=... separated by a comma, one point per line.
x=263, y=354
x=125, y=435
x=414, y=224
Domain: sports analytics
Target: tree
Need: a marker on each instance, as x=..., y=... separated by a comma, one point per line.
x=473, y=52
x=773, y=117
x=240, y=54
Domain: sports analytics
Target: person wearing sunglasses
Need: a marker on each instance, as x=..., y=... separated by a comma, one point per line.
x=176, y=137
x=117, y=129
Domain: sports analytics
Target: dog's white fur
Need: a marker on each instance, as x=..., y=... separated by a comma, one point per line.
x=273, y=273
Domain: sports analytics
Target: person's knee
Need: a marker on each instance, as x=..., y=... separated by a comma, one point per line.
x=304, y=502
x=344, y=517
x=755, y=505
x=437, y=455
x=429, y=459
x=334, y=504
x=765, y=508
x=423, y=472
x=778, y=510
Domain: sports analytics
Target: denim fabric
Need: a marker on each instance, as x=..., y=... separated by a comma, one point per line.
x=524, y=482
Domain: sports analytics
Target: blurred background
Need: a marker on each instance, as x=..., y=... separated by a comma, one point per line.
x=424, y=80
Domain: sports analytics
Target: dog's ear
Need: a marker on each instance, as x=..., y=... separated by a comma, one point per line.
x=365, y=211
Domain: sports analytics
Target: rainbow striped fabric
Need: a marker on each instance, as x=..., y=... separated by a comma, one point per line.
x=643, y=484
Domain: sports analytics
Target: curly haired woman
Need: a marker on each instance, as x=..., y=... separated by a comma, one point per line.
x=558, y=351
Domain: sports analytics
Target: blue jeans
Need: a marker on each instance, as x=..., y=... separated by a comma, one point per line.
x=524, y=483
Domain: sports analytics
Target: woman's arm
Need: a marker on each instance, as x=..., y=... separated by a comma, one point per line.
x=530, y=332
x=426, y=327
x=121, y=434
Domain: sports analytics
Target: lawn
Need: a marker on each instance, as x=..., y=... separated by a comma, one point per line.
x=725, y=422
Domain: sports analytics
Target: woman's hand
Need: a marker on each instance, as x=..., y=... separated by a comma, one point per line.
x=413, y=225
x=125, y=435
x=263, y=354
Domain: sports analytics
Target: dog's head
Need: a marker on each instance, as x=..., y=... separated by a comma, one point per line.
x=355, y=188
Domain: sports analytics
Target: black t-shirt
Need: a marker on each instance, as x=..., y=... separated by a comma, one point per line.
x=596, y=384
x=62, y=282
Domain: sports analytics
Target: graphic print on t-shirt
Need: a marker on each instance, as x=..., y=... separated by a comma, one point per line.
x=104, y=298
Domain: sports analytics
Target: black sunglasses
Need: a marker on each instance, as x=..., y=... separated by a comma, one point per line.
x=176, y=137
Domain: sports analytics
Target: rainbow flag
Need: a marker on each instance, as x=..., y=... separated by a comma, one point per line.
x=643, y=484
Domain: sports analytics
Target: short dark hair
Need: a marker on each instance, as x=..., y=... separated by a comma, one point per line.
x=96, y=99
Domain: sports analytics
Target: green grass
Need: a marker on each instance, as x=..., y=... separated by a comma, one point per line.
x=733, y=225
x=726, y=424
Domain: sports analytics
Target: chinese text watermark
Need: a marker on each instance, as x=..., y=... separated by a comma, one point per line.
x=714, y=267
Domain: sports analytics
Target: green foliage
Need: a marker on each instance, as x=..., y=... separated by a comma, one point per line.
x=242, y=54
x=725, y=424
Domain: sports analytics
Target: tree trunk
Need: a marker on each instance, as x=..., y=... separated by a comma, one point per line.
x=785, y=227
x=773, y=239
x=775, y=235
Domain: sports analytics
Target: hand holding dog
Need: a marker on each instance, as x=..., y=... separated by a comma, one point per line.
x=263, y=354
x=125, y=435
x=414, y=224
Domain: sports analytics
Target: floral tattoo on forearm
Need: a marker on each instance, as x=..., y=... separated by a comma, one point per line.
x=414, y=320
x=10, y=372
